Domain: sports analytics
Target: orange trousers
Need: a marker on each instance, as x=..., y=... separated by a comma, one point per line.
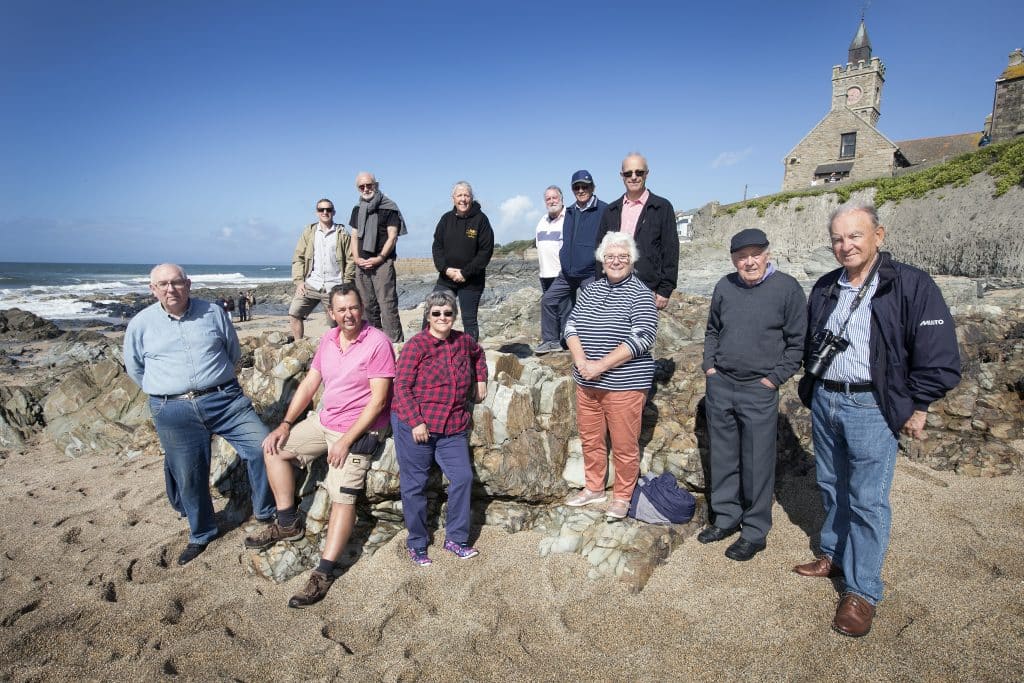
x=600, y=413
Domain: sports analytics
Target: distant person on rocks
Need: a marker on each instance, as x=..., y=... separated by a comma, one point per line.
x=355, y=363
x=880, y=348
x=754, y=343
x=182, y=352
x=440, y=371
x=651, y=221
x=462, y=248
x=610, y=333
x=250, y=296
x=576, y=266
x=243, y=307
x=376, y=225
x=321, y=261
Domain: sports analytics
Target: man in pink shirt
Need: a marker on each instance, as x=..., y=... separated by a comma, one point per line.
x=651, y=221
x=356, y=364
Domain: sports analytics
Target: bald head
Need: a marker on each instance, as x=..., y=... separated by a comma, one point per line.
x=171, y=287
x=634, y=174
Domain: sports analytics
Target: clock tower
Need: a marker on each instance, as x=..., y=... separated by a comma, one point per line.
x=858, y=85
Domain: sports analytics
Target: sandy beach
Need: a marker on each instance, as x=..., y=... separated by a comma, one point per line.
x=91, y=590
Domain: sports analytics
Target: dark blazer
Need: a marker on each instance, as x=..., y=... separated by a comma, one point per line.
x=656, y=238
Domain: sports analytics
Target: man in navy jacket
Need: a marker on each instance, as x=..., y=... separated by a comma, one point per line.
x=898, y=354
x=577, y=259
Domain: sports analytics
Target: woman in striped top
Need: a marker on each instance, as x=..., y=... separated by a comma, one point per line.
x=610, y=334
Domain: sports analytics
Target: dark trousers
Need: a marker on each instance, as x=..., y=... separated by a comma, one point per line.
x=742, y=425
x=380, y=297
x=556, y=303
x=414, y=462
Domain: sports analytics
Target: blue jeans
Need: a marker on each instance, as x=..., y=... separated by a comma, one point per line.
x=855, y=456
x=414, y=463
x=185, y=428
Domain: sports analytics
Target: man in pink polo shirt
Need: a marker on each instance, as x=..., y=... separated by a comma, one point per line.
x=651, y=221
x=356, y=364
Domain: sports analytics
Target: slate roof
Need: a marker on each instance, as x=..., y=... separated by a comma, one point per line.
x=928, y=151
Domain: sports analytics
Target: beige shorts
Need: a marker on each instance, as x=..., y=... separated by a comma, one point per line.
x=302, y=306
x=310, y=440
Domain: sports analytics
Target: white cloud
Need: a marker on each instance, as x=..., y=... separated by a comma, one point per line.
x=517, y=220
x=226, y=232
x=731, y=158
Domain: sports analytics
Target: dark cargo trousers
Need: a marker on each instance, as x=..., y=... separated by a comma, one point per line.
x=380, y=298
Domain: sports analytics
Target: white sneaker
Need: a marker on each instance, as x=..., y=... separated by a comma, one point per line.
x=585, y=497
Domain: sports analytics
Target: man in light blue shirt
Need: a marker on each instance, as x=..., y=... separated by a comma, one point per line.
x=182, y=352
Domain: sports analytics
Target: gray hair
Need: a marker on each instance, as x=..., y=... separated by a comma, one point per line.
x=442, y=297
x=157, y=267
x=465, y=184
x=851, y=207
x=617, y=239
x=556, y=188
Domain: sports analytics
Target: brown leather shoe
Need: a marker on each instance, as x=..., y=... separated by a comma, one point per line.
x=820, y=567
x=853, y=616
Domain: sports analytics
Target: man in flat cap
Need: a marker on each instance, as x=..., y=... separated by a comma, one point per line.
x=754, y=342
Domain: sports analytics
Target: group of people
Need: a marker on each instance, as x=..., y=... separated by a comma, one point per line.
x=876, y=340
x=245, y=302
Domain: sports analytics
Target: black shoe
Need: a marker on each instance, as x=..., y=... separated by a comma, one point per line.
x=314, y=591
x=742, y=550
x=712, y=533
x=191, y=552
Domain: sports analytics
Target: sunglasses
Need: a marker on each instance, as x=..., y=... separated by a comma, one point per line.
x=639, y=173
x=325, y=209
x=581, y=187
x=366, y=186
x=446, y=314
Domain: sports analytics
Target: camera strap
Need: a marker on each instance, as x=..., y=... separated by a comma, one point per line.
x=861, y=293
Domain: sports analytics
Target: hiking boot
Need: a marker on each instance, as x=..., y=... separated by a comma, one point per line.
x=463, y=551
x=274, y=533
x=314, y=591
x=585, y=497
x=419, y=557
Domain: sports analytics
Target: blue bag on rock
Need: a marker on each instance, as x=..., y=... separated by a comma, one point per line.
x=660, y=500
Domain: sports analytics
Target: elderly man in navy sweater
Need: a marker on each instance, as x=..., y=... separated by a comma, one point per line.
x=753, y=344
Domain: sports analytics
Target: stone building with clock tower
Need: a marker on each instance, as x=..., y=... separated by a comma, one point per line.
x=845, y=145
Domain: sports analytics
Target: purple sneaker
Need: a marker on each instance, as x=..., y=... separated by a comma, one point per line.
x=420, y=557
x=463, y=551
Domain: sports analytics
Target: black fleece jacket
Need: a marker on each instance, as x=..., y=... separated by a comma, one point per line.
x=463, y=242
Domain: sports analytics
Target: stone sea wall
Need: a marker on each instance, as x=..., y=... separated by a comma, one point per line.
x=951, y=231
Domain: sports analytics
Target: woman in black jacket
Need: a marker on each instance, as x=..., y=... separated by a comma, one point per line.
x=463, y=245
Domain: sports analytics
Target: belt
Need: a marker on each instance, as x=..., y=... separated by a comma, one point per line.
x=189, y=395
x=848, y=387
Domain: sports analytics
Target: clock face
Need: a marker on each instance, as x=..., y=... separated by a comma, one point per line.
x=853, y=95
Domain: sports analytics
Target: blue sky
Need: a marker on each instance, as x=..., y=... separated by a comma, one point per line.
x=203, y=132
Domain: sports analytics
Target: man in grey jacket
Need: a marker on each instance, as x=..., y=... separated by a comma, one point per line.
x=754, y=342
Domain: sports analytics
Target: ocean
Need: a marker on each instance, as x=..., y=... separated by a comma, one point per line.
x=77, y=291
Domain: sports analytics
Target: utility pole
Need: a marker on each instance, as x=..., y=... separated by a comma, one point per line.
x=744, y=192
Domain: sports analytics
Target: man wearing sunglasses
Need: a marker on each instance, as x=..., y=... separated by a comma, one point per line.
x=376, y=225
x=576, y=260
x=322, y=260
x=651, y=221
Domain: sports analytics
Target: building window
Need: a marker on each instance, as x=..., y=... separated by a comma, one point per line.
x=848, y=145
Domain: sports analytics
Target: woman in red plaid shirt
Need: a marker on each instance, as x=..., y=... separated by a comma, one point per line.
x=430, y=418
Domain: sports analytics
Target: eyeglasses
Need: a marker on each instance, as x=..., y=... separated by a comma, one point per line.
x=325, y=209
x=639, y=173
x=366, y=186
x=582, y=187
x=610, y=258
x=164, y=284
x=439, y=314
